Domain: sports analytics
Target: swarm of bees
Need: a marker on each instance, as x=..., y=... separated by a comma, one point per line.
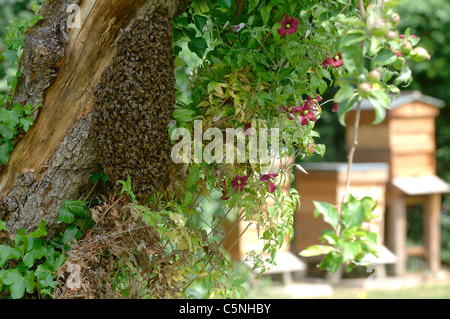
x=134, y=103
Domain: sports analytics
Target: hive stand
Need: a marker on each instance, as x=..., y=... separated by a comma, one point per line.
x=405, y=140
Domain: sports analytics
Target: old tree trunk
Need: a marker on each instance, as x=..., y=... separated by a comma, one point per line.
x=107, y=95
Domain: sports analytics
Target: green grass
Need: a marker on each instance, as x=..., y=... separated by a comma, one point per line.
x=423, y=291
x=266, y=289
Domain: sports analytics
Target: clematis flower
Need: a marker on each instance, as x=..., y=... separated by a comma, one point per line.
x=224, y=195
x=306, y=113
x=267, y=178
x=238, y=27
x=335, y=62
x=291, y=111
x=239, y=183
x=289, y=26
x=272, y=187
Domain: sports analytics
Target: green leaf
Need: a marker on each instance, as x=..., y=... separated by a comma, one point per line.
x=11, y=117
x=225, y=3
x=353, y=59
x=193, y=177
x=353, y=215
x=18, y=282
x=384, y=57
x=3, y=226
x=332, y=262
x=352, y=37
x=11, y=57
x=265, y=12
x=316, y=250
x=198, y=45
x=7, y=132
x=70, y=209
x=5, y=149
x=26, y=122
x=4, y=254
x=37, y=252
x=329, y=213
x=184, y=115
x=344, y=93
x=405, y=75
x=41, y=231
x=200, y=21
x=380, y=102
x=71, y=233
x=350, y=250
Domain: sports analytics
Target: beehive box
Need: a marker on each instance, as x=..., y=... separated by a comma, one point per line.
x=405, y=139
x=326, y=182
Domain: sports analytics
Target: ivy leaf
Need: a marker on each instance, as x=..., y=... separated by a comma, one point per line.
x=4, y=254
x=198, y=45
x=26, y=122
x=18, y=282
x=70, y=209
x=41, y=231
x=5, y=149
x=11, y=117
x=7, y=132
x=37, y=252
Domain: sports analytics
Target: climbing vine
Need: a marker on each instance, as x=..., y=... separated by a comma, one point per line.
x=262, y=69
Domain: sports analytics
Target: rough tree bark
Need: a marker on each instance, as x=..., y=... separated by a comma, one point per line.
x=62, y=68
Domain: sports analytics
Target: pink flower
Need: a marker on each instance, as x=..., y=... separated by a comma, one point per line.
x=335, y=108
x=224, y=194
x=267, y=177
x=305, y=111
x=289, y=26
x=335, y=62
x=291, y=111
x=239, y=183
x=272, y=187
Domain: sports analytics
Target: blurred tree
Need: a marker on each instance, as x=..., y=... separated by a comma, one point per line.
x=430, y=20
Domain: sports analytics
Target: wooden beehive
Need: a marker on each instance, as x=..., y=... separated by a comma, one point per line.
x=405, y=139
x=326, y=182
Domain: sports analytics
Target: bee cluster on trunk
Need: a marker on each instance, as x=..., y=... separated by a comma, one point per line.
x=134, y=103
